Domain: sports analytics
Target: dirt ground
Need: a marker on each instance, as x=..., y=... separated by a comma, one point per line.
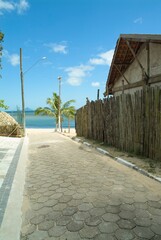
x=151, y=166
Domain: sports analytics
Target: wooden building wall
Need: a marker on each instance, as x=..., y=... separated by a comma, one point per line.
x=131, y=123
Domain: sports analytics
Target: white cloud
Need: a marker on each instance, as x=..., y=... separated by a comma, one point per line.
x=104, y=58
x=22, y=6
x=95, y=84
x=77, y=74
x=8, y=6
x=138, y=20
x=14, y=59
x=58, y=47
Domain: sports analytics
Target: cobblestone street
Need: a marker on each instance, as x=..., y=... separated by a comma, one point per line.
x=72, y=192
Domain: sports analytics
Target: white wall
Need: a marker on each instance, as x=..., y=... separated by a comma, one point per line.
x=134, y=72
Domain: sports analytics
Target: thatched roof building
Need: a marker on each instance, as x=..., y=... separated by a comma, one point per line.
x=9, y=126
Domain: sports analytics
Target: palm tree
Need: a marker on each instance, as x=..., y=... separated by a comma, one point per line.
x=69, y=113
x=53, y=110
x=3, y=105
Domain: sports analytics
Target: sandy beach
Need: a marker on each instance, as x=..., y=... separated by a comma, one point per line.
x=65, y=132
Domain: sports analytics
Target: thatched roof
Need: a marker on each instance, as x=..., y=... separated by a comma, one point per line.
x=6, y=119
x=9, y=126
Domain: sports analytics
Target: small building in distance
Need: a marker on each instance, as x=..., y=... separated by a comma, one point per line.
x=136, y=63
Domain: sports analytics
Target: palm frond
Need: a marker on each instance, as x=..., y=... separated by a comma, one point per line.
x=68, y=103
x=44, y=112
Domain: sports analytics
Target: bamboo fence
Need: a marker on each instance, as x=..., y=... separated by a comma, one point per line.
x=130, y=123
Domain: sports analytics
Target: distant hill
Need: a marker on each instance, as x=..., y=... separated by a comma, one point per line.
x=27, y=109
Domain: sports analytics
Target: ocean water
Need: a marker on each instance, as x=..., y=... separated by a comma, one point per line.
x=33, y=121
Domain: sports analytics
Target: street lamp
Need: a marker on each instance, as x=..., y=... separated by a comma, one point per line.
x=22, y=87
x=59, y=117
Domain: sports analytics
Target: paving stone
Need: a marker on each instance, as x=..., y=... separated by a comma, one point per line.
x=65, y=199
x=108, y=227
x=78, y=196
x=69, y=211
x=85, y=206
x=56, y=196
x=37, y=206
x=140, y=199
x=74, y=203
x=75, y=226
x=61, y=190
x=93, y=221
x=45, y=225
x=104, y=237
x=142, y=213
x=65, y=184
x=123, y=234
x=127, y=200
x=69, y=192
x=99, y=204
x=46, y=185
x=63, y=220
x=27, y=229
x=53, y=215
x=97, y=211
x=48, y=193
x=157, y=237
x=156, y=219
x=113, y=209
x=82, y=196
x=126, y=224
x=42, y=199
x=57, y=231
x=110, y=217
x=35, y=196
x=127, y=207
x=59, y=207
x=70, y=235
x=144, y=222
x=88, y=232
x=127, y=214
x=44, y=211
x=114, y=202
x=50, y=203
x=52, y=188
x=143, y=232
x=38, y=219
x=153, y=197
x=156, y=229
x=154, y=204
x=81, y=216
x=30, y=214
x=139, y=188
x=38, y=235
x=58, y=182
x=141, y=205
x=154, y=211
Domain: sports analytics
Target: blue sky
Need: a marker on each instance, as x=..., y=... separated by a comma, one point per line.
x=77, y=37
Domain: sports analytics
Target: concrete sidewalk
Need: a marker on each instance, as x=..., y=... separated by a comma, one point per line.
x=73, y=192
x=13, y=155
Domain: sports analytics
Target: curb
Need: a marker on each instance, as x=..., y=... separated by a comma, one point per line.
x=120, y=160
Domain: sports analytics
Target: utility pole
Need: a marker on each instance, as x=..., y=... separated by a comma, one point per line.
x=22, y=92
x=59, y=118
